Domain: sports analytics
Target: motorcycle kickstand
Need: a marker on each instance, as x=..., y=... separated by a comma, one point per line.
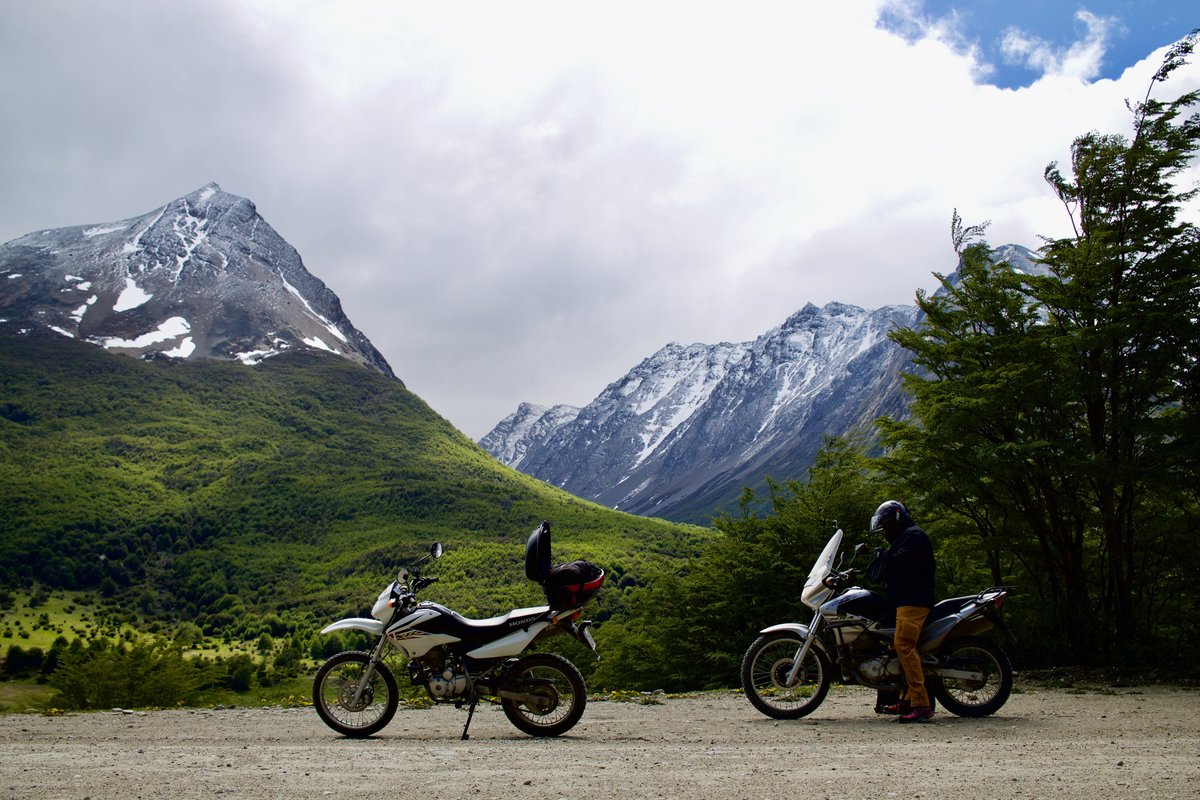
x=470, y=713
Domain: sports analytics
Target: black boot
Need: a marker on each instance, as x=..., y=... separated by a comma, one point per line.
x=887, y=701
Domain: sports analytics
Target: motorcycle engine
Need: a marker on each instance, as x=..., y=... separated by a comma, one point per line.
x=874, y=660
x=875, y=670
x=443, y=675
x=447, y=684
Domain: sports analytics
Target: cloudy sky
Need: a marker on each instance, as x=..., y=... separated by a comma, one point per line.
x=519, y=201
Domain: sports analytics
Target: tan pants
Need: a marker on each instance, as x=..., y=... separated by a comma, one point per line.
x=909, y=620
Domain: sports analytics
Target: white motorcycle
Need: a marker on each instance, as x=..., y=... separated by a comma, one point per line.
x=461, y=661
x=787, y=670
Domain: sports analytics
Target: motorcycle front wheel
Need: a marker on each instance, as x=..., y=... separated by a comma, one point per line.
x=338, y=681
x=973, y=697
x=765, y=668
x=557, y=695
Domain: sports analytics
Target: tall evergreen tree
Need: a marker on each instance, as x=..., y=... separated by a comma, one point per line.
x=1056, y=412
x=1122, y=303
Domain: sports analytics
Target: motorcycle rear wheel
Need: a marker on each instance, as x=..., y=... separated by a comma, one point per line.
x=333, y=695
x=973, y=698
x=559, y=687
x=764, y=676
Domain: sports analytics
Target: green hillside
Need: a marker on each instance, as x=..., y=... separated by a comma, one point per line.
x=220, y=494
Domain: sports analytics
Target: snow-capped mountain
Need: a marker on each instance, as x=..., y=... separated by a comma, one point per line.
x=202, y=277
x=683, y=432
x=510, y=439
x=686, y=429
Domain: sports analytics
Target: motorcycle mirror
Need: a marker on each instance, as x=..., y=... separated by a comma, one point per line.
x=861, y=549
x=436, y=550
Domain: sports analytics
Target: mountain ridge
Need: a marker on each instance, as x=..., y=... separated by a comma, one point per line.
x=296, y=486
x=203, y=276
x=685, y=430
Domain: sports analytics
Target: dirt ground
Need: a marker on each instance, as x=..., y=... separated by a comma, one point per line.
x=1045, y=743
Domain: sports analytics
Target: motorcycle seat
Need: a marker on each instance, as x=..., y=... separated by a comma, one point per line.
x=513, y=619
x=951, y=605
x=478, y=631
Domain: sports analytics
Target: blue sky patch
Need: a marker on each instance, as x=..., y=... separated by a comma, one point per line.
x=1017, y=42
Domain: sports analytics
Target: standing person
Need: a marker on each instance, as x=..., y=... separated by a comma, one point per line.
x=908, y=583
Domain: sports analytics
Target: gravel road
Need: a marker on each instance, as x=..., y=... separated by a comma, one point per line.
x=1111, y=744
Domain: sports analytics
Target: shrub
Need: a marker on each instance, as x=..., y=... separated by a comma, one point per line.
x=144, y=674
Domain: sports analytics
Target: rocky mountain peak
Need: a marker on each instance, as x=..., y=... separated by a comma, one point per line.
x=686, y=429
x=204, y=276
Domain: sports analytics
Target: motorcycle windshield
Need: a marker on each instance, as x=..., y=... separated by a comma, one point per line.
x=815, y=592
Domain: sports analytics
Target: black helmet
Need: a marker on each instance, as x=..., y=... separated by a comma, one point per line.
x=890, y=515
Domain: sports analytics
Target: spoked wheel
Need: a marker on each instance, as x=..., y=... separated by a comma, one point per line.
x=334, y=689
x=554, y=695
x=765, y=670
x=989, y=685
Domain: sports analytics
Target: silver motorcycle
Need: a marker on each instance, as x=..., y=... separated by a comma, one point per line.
x=787, y=670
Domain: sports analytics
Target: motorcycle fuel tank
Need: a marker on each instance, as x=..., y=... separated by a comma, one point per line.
x=858, y=604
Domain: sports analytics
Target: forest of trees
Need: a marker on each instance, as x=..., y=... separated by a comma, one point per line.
x=1054, y=415
x=1052, y=441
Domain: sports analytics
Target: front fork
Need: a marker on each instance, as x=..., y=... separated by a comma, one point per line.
x=802, y=653
x=369, y=672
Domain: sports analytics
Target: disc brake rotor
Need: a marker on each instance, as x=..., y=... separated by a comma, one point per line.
x=346, y=697
x=779, y=673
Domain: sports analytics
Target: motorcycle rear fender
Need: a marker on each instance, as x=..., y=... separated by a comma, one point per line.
x=371, y=626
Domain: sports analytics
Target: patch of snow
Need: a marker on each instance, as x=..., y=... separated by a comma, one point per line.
x=81, y=285
x=678, y=392
x=191, y=233
x=206, y=193
x=131, y=297
x=315, y=341
x=14, y=275
x=185, y=349
x=169, y=329
x=255, y=356
x=662, y=426
x=78, y=313
x=100, y=230
x=328, y=325
x=57, y=329
x=136, y=244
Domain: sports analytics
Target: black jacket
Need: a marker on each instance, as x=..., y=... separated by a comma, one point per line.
x=908, y=569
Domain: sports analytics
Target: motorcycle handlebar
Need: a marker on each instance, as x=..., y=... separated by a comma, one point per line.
x=834, y=578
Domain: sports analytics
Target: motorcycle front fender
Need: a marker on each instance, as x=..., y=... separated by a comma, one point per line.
x=801, y=630
x=798, y=628
x=371, y=626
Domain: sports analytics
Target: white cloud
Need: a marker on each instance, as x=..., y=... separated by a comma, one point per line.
x=519, y=201
x=1081, y=60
